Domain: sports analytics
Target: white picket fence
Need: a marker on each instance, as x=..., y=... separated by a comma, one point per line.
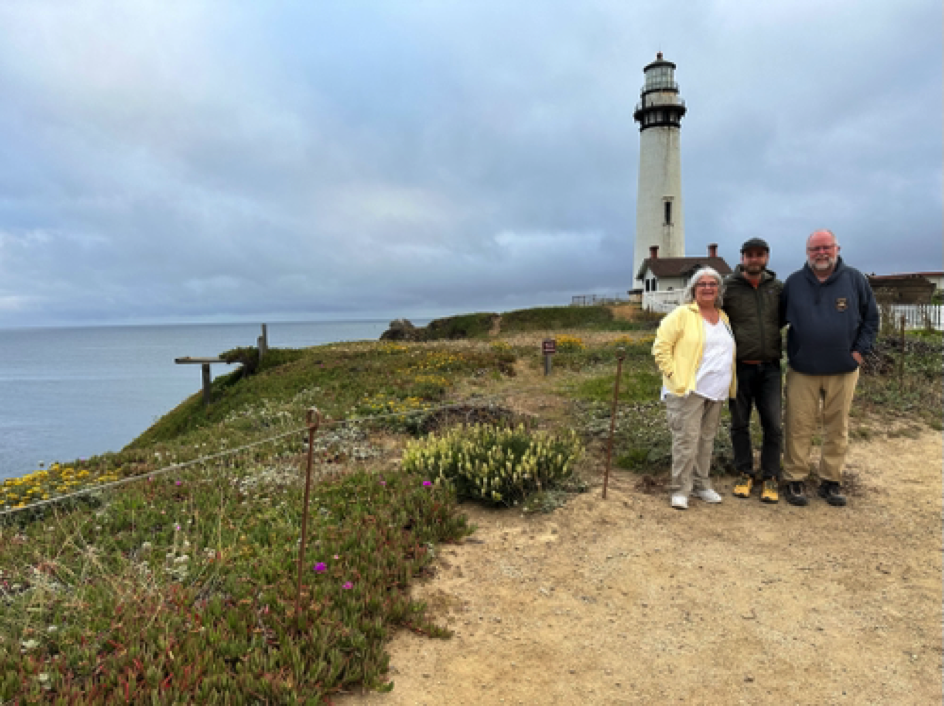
x=661, y=302
x=917, y=316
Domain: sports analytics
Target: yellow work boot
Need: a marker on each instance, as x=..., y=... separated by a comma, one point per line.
x=742, y=488
x=770, y=493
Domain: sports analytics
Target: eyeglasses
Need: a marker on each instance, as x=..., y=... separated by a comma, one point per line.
x=706, y=285
x=821, y=248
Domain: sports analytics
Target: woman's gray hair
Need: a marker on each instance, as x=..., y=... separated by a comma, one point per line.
x=688, y=296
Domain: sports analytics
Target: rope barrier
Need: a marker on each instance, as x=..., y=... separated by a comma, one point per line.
x=244, y=447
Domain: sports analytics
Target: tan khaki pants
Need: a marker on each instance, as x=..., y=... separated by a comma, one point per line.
x=814, y=402
x=693, y=421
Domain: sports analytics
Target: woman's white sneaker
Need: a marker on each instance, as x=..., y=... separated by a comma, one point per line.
x=709, y=496
x=679, y=502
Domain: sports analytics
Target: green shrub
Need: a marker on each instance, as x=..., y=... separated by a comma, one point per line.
x=556, y=317
x=498, y=465
x=463, y=326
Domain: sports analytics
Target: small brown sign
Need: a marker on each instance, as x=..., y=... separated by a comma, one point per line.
x=549, y=346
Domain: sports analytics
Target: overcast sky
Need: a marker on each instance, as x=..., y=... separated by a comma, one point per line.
x=175, y=161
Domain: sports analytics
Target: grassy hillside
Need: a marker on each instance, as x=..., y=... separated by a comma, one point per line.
x=180, y=585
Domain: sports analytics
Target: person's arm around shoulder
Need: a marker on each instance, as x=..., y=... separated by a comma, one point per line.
x=783, y=302
x=727, y=287
x=732, y=390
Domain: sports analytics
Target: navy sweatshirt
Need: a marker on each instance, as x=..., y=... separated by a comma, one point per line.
x=828, y=320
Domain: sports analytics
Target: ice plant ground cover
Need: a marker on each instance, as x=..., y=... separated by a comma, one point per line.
x=180, y=586
x=185, y=589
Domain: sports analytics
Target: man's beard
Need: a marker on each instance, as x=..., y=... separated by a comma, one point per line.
x=826, y=264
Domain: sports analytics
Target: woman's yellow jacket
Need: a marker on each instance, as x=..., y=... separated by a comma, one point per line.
x=678, y=349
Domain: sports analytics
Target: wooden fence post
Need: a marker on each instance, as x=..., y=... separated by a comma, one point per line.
x=206, y=383
x=901, y=360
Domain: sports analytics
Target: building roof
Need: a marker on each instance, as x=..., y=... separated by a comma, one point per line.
x=681, y=266
x=906, y=275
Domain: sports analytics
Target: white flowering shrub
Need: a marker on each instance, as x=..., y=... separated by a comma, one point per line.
x=498, y=465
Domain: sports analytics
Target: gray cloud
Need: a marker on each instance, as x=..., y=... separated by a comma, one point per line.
x=215, y=161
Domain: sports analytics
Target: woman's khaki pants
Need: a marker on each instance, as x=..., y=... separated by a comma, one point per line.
x=693, y=421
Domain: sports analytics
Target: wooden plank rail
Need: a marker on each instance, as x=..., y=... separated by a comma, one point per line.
x=205, y=363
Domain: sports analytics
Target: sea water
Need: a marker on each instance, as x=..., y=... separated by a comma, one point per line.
x=69, y=393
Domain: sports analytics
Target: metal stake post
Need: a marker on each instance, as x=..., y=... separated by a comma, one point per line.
x=312, y=428
x=620, y=354
x=901, y=360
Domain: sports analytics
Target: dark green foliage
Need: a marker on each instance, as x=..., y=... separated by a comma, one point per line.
x=910, y=389
x=556, y=317
x=463, y=326
x=247, y=356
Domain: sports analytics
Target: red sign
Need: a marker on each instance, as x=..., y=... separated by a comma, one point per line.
x=549, y=346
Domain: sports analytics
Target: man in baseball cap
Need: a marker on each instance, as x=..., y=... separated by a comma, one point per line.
x=751, y=301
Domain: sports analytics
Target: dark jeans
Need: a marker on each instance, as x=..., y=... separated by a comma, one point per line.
x=758, y=385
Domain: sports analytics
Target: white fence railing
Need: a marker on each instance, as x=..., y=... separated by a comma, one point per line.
x=917, y=316
x=662, y=302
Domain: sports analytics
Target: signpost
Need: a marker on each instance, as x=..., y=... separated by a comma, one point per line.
x=548, y=348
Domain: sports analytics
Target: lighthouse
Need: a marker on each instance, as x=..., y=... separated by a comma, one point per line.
x=660, y=218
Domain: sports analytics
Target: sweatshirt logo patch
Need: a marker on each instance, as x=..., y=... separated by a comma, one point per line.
x=842, y=304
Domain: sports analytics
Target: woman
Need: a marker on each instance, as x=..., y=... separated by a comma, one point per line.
x=694, y=349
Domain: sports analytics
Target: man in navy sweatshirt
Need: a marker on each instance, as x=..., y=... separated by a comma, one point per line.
x=833, y=320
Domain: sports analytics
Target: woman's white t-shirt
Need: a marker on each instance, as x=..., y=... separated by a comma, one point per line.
x=713, y=379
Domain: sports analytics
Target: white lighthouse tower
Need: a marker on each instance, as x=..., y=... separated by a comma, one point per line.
x=660, y=218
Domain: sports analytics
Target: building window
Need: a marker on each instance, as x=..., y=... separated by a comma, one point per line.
x=668, y=213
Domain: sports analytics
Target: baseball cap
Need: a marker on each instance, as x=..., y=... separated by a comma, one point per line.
x=758, y=243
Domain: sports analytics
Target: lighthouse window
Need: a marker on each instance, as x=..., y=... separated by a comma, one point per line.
x=668, y=213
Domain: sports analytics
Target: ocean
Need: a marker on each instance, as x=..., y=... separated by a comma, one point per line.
x=69, y=393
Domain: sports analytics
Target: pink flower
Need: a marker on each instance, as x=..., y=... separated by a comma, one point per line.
x=348, y=586
x=336, y=556
x=427, y=484
x=178, y=482
x=321, y=566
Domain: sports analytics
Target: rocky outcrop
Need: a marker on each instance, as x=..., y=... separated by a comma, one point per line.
x=402, y=330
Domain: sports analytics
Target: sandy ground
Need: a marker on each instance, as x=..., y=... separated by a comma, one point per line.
x=626, y=601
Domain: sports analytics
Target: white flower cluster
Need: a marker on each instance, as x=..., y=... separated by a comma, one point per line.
x=497, y=464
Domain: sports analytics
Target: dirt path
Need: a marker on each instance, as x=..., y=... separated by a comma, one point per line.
x=626, y=601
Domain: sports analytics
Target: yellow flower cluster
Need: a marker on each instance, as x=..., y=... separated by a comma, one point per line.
x=438, y=360
x=431, y=380
x=391, y=348
x=381, y=403
x=50, y=483
x=570, y=343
